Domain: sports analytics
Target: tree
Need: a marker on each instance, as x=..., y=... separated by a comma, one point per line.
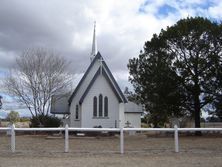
x=193, y=48
x=195, y=44
x=13, y=117
x=0, y=102
x=156, y=83
x=39, y=74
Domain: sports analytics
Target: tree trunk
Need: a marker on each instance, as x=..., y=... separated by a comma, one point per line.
x=155, y=122
x=197, y=113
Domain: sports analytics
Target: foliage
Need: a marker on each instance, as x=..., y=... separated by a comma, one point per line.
x=202, y=120
x=186, y=58
x=144, y=120
x=13, y=117
x=156, y=84
x=195, y=44
x=39, y=74
x=213, y=119
x=45, y=121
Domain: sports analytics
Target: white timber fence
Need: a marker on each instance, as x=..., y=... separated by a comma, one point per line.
x=121, y=131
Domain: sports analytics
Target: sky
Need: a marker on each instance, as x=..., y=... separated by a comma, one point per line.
x=66, y=26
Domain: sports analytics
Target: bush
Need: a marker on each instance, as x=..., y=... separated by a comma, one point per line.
x=45, y=121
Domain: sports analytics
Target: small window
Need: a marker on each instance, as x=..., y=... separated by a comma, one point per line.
x=77, y=112
x=106, y=106
x=95, y=106
x=100, y=105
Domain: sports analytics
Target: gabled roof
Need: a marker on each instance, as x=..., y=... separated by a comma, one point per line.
x=107, y=74
x=132, y=107
x=59, y=104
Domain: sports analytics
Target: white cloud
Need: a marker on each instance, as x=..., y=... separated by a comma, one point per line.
x=122, y=27
x=216, y=11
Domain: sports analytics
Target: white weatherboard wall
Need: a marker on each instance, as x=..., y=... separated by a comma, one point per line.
x=121, y=114
x=100, y=86
x=133, y=113
x=134, y=119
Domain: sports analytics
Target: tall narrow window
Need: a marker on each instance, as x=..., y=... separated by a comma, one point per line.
x=100, y=105
x=77, y=112
x=106, y=106
x=95, y=106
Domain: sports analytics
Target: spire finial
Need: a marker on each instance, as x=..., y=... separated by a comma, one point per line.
x=94, y=44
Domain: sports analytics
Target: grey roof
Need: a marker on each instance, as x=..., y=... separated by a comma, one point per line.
x=132, y=107
x=59, y=104
x=107, y=74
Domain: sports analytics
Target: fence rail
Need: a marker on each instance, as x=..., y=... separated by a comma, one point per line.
x=67, y=129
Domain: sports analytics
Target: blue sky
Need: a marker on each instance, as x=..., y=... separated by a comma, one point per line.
x=205, y=8
x=66, y=27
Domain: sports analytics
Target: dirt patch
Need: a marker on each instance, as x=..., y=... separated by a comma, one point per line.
x=140, y=150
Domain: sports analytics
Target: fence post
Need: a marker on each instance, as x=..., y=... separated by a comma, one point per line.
x=176, y=138
x=13, y=138
x=121, y=141
x=66, y=138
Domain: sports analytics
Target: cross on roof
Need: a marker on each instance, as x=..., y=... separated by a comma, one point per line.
x=101, y=64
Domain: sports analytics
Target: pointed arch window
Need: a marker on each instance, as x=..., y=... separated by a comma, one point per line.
x=100, y=105
x=77, y=112
x=106, y=106
x=95, y=106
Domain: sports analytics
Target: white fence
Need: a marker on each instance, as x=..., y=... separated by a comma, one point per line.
x=67, y=129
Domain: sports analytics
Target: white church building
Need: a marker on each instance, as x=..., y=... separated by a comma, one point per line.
x=98, y=101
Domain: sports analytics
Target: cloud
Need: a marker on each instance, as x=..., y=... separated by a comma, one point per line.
x=67, y=27
x=216, y=11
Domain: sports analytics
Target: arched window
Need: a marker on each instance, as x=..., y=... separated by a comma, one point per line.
x=106, y=106
x=77, y=112
x=100, y=105
x=95, y=106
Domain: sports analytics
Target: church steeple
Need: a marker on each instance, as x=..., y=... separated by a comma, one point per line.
x=94, y=44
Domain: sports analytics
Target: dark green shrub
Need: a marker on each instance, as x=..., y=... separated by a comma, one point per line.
x=45, y=121
x=34, y=122
x=52, y=122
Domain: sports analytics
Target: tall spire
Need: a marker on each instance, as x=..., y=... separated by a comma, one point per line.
x=94, y=44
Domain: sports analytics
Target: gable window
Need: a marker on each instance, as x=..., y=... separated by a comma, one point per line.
x=106, y=106
x=77, y=112
x=100, y=105
x=95, y=106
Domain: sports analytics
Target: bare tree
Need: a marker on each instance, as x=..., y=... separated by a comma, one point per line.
x=39, y=74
